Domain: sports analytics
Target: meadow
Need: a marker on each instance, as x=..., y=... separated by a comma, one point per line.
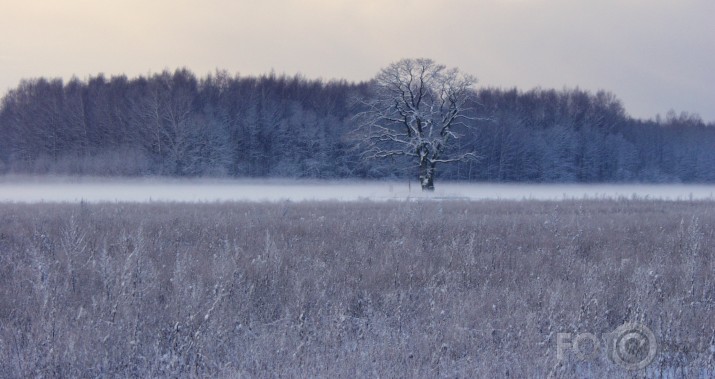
x=353, y=289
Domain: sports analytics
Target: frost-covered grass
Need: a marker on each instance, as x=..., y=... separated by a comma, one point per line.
x=94, y=190
x=398, y=289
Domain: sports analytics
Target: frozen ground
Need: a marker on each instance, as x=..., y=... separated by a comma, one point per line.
x=59, y=189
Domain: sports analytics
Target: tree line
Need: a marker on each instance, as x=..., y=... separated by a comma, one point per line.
x=178, y=124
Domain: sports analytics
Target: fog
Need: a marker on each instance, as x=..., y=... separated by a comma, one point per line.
x=94, y=190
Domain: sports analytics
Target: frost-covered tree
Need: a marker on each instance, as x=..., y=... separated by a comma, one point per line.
x=173, y=123
x=413, y=110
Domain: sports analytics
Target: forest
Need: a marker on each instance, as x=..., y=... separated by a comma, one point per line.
x=224, y=125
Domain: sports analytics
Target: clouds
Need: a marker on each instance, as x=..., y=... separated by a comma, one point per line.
x=655, y=55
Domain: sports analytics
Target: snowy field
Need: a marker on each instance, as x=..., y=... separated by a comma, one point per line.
x=59, y=189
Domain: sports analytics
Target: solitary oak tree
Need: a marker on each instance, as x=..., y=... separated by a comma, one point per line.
x=412, y=111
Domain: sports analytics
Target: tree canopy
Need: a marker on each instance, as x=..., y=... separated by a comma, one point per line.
x=413, y=110
x=178, y=124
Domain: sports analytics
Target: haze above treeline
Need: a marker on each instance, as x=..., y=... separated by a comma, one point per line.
x=178, y=124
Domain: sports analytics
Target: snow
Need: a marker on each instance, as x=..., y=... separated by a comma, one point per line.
x=61, y=189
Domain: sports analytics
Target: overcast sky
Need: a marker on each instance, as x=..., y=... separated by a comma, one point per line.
x=655, y=55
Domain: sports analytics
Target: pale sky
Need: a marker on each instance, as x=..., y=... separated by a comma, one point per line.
x=655, y=55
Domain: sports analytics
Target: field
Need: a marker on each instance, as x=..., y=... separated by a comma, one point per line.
x=326, y=289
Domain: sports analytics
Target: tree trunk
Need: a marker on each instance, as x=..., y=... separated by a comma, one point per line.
x=427, y=176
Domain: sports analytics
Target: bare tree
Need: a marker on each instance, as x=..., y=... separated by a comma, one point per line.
x=413, y=110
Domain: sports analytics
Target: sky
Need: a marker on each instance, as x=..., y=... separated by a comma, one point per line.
x=655, y=55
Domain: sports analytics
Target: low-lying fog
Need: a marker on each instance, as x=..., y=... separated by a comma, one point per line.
x=59, y=189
